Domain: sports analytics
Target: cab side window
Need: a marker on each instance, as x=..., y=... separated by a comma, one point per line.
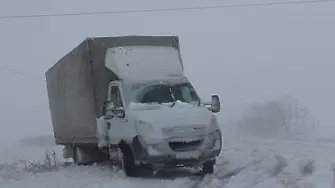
x=116, y=96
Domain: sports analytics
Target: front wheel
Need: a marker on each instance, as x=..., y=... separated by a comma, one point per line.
x=127, y=161
x=208, y=167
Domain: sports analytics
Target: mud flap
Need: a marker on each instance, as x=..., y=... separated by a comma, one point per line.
x=102, y=132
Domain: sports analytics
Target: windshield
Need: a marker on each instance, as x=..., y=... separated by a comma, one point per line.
x=164, y=93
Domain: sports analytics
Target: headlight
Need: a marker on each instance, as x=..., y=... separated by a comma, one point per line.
x=214, y=129
x=211, y=140
x=148, y=133
x=143, y=127
x=214, y=124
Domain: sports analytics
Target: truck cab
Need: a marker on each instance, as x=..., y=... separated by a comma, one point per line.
x=154, y=116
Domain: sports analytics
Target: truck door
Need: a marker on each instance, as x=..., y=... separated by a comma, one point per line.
x=116, y=124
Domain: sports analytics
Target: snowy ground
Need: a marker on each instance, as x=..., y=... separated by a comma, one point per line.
x=245, y=163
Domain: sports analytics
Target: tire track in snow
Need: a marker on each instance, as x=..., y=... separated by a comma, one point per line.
x=223, y=173
x=277, y=172
x=259, y=173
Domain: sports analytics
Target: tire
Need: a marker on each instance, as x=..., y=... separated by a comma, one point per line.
x=208, y=167
x=128, y=162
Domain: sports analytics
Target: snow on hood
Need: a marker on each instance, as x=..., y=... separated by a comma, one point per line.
x=161, y=116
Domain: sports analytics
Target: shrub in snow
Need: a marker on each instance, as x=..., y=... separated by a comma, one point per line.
x=50, y=163
x=13, y=171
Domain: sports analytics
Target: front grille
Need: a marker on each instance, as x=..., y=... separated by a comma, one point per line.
x=184, y=146
x=180, y=131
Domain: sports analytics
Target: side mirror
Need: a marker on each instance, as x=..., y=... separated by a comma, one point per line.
x=109, y=110
x=215, y=104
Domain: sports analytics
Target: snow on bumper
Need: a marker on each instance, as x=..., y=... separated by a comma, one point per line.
x=176, y=151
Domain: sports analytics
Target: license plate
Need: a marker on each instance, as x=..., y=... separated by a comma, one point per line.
x=188, y=155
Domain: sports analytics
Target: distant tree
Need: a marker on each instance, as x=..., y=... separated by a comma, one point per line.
x=276, y=118
x=295, y=121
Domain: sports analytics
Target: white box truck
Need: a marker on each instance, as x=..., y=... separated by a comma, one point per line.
x=127, y=99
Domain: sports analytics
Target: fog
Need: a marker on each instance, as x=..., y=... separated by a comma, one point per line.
x=244, y=54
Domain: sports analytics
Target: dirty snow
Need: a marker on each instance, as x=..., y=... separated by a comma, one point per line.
x=244, y=163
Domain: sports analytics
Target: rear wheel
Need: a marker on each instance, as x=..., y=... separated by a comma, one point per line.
x=208, y=167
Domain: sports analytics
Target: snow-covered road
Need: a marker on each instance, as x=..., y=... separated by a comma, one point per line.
x=244, y=163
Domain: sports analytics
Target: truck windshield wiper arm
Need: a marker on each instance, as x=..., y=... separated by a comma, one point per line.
x=173, y=97
x=171, y=92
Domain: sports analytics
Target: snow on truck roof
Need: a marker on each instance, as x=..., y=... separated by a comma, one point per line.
x=138, y=58
x=144, y=62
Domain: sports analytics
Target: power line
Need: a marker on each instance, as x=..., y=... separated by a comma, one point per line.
x=18, y=72
x=13, y=71
x=165, y=9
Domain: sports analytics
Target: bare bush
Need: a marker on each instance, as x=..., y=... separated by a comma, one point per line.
x=296, y=118
x=50, y=163
x=14, y=170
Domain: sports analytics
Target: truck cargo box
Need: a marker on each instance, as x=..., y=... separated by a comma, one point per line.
x=77, y=85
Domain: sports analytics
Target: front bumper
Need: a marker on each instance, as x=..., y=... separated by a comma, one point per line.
x=174, y=152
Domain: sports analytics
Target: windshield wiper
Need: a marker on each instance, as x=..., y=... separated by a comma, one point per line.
x=161, y=84
x=171, y=93
x=173, y=97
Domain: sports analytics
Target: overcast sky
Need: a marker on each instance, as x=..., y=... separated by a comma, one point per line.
x=243, y=54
